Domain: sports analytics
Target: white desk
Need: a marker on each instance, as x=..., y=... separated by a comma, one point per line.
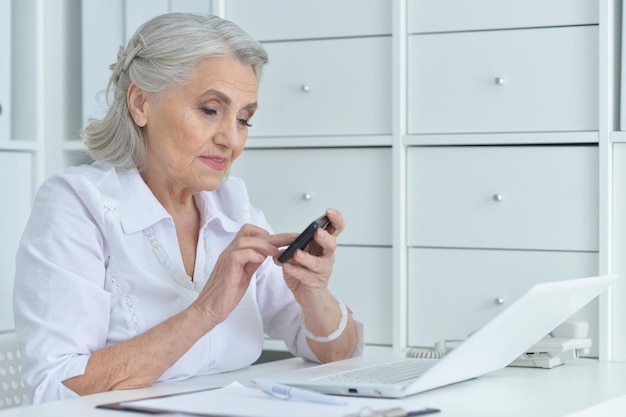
x=581, y=388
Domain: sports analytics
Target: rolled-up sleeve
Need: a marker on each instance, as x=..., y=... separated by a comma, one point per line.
x=61, y=308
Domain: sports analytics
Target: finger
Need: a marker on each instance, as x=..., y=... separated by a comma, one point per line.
x=298, y=272
x=282, y=239
x=317, y=264
x=259, y=240
x=337, y=223
x=250, y=230
x=323, y=242
x=313, y=273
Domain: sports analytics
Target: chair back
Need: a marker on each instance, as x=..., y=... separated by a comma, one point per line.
x=12, y=390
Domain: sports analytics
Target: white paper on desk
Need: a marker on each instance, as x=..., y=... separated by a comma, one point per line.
x=240, y=401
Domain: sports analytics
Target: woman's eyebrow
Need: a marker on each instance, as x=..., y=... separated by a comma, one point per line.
x=226, y=99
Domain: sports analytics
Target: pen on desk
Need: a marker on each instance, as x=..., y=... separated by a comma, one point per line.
x=285, y=392
x=392, y=412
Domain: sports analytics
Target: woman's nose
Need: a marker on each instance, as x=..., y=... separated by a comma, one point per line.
x=227, y=135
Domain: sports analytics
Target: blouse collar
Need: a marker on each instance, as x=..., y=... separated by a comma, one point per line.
x=140, y=209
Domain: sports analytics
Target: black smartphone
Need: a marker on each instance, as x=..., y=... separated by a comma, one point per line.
x=304, y=238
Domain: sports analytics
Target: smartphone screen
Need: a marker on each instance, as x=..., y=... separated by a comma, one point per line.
x=304, y=238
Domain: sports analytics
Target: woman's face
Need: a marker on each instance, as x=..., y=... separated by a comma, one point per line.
x=195, y=130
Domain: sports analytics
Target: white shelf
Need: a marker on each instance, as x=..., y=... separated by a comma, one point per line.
x=318, y=141
x=524, y=138
x=18, y=145
x=618, y=137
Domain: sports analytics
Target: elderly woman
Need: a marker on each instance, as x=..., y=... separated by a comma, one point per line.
x=151, y=264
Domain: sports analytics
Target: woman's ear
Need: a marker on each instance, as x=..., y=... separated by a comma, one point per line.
x=137, y=100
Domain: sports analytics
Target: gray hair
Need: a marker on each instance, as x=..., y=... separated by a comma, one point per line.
x=164, y=51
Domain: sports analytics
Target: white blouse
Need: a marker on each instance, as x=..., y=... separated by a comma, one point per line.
x=87, y=276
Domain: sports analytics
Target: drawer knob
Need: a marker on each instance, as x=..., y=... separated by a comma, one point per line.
x=497, y=197
x=499, y=301
x=307, y=196
x=306, y=88
x=499, y=80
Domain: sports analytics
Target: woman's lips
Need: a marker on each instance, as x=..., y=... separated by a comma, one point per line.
x=218, y=163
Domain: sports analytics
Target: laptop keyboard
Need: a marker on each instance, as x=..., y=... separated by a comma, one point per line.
x=388, y=373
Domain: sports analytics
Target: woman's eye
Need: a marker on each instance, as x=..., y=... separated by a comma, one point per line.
x=244, y=122
x=209, y=111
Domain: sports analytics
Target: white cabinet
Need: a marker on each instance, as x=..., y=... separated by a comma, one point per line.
x=16, y=185
x=329, y=73
x=5, y=69
x=459, y=15
x=484, y=223
x=295, y=186
x=409, y=116
x=362, y=277
x=453, y=292
x=495, y=220
x=514, y=197
x=326, y=87
x=337, y=51
x=271, y=20
x=328, y=82
x=537, y=80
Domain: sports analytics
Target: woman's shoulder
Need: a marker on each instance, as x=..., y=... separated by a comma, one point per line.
x=80, y=182
x=80, y=173
x=94, y=173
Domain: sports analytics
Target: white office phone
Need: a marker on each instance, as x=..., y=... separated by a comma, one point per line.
x=568, y=341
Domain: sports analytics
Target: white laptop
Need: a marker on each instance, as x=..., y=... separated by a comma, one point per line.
x=494, y=346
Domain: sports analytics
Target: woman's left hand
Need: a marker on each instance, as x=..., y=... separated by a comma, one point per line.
x=307, y=273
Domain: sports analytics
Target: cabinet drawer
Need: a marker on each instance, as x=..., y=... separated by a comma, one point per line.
x=454, y=292
x=455, y=15
x=295, y=186
x=327, y=87
x=504, y=81
x=515, y=197
x=305, y=19
x=362, y=278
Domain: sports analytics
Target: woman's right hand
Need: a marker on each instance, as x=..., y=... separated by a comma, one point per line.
x=233, y=271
